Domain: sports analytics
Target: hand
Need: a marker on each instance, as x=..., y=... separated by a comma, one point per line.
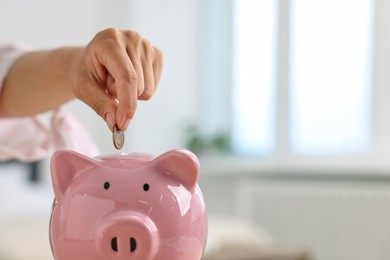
x=113, y=71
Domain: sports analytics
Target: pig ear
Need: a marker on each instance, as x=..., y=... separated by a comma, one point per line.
x=181, y=164
x=65, y=166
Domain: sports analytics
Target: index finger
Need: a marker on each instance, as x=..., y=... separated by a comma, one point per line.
x=119, y=65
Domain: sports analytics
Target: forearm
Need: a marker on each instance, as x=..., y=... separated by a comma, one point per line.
x=38, y=82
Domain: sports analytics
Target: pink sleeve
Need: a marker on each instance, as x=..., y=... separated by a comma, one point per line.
x=34, y=138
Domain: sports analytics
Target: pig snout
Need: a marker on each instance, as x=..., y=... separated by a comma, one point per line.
x=127, y=235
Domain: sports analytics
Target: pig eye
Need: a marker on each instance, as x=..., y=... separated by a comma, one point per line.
x=146, y=187
x=106, y=185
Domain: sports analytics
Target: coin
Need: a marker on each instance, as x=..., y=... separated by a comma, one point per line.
x=118, y=138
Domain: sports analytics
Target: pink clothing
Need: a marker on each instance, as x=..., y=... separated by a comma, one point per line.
x=33, y=138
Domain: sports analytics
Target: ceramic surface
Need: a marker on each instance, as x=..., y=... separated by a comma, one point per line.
x=127, y=206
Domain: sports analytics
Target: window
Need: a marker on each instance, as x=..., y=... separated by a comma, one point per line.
x=330, y=75
x=302, y=77
x=254, y=77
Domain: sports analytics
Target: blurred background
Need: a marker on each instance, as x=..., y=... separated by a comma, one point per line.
x=285, y=102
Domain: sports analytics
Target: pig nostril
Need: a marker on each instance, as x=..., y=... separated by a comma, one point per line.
x=133, y=244
x=114, y=244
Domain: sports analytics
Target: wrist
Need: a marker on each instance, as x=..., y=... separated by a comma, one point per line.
x=66, y=58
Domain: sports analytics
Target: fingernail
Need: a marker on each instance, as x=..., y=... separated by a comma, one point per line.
x=126, y=124
x=109, y=121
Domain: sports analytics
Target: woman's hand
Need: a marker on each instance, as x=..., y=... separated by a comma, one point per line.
x=113, y=71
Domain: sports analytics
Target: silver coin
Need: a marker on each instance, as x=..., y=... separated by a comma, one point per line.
x=118, y=138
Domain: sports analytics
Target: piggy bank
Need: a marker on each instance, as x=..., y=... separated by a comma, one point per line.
x=127, y=206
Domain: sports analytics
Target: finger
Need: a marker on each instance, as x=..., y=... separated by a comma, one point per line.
x=98, y=100
x=134, y=56
x=111, y=87
x=127, y=97
x=148, y=81
x=118, y=64
x=147, y=66
x=157, y=66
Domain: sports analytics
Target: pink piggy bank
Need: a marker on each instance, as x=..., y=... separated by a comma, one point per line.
x=127, y=206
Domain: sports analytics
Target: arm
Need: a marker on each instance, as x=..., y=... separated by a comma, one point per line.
x=38, y=82
x=110, y=74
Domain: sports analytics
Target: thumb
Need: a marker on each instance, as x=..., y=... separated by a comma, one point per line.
x=107, y=111
x=103, y=104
